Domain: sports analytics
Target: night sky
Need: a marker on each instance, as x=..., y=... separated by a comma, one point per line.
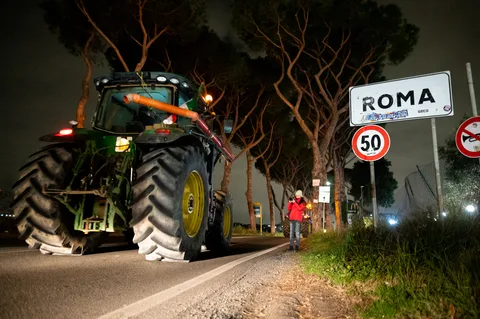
x=41, y=83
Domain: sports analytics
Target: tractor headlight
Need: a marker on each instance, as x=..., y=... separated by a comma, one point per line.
x=104, y=80
x=122, y=144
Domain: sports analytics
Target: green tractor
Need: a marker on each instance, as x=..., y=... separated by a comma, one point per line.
x=145, y=169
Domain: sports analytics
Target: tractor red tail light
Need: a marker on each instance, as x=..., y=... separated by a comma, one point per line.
x=64, y=132
x=162, y=131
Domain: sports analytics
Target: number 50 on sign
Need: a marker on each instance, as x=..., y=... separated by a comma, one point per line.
x=371, y=143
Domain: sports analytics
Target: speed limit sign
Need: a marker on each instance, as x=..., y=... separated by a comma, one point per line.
x=371, y=143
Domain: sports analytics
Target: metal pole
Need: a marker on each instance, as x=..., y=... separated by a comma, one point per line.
x=471, y=89
x=361, y=200
x=261, y=221
x=437, y=167
x=323, y=221
x=374, y=194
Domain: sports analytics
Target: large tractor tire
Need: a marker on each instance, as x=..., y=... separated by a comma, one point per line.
x=219, y=234
x=286, y=227
x=305, y=229
x=170, y=203
x=42, y=221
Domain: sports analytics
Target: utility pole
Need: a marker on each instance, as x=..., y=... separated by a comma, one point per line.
x=472, y=90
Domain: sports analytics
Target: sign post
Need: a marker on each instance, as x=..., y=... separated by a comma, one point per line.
x=324, y=197
x=436, y=163
x=472, y=91
x=417, y=97
x=371, y=143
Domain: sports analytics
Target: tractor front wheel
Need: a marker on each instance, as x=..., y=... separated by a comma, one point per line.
x=219, y=234
x=42, y=221
x=170, y=203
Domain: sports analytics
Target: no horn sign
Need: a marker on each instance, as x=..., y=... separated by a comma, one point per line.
x=371, y=143
x=468, y=137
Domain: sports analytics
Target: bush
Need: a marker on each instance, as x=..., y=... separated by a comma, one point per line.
x=420, y=268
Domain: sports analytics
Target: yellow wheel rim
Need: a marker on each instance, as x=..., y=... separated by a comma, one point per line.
x=193, y=204
x=227, y=220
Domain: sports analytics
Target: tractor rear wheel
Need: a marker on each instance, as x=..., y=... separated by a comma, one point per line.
x=219, y=235
x=286, y=227
x=305, y=229
x=42, y=221
x=170, y=203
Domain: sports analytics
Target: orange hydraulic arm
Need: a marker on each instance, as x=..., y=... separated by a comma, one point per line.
x=172, y=109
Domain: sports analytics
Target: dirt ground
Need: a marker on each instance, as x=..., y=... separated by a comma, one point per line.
x=300, y=295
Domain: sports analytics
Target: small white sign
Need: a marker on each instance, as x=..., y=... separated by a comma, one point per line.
x=324, y=194
x=424, y=96
x=315, y=182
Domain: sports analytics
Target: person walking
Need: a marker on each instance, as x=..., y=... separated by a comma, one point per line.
x=296, y=207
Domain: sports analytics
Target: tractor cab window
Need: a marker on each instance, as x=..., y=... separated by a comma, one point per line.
x=114, y=115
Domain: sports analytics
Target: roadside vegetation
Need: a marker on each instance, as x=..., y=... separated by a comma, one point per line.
x=422, y=268
x=245, y=230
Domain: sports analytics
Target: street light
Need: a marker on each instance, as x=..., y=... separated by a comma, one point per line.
x=470, y=208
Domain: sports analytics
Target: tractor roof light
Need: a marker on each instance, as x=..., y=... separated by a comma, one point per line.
x=208, y=98
x=161, y=78
x=185, y=85
x=105, y=80
x=174, y=80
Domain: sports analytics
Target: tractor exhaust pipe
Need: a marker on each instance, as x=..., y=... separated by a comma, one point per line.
x=132, y=97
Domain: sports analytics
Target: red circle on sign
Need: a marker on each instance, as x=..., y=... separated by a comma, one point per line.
x=459, y=141
x=384, y=148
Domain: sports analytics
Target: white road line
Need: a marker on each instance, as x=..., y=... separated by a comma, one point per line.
x=7, y=251
x=147, y=303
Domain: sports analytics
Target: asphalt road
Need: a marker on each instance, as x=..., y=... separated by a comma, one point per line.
x=117, y=282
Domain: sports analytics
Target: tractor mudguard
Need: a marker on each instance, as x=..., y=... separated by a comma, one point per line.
x=70, y=135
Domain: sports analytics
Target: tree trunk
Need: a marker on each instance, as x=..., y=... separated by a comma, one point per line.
x=227, y=171
x=270, y=199
x=339, y=186
x=319, y=171
x=85, y=83
x=280, y=208
x=248, y=193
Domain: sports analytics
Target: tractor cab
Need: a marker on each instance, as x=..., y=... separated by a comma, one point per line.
x=115, y=116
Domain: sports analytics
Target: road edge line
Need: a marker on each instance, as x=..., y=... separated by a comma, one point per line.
x=154, y=300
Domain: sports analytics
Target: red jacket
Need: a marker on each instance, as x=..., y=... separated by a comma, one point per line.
x=296, y=209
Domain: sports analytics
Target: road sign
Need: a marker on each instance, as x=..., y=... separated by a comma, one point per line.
x=468, y=137
x=424, y=96
x=315, y=182
x=371, y=143
x=324, y=194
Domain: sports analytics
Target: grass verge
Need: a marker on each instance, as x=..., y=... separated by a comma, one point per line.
x=420, y=269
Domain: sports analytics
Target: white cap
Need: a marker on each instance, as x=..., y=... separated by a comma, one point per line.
x=298, y=193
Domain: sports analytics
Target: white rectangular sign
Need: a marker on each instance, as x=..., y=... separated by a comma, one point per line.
x=411, y=98
x=324, y=194
x=315, y=182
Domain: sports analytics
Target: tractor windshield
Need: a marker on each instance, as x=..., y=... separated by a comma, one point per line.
x=114, y=115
